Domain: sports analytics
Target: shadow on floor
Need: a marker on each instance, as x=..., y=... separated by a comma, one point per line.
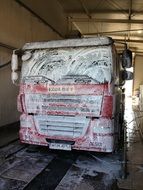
x=9, y=133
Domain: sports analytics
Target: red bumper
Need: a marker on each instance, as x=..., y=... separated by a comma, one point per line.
x=96, y=134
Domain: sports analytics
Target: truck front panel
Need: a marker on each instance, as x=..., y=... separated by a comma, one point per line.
x=66, y=98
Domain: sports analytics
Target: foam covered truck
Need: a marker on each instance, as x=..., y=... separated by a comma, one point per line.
x=70, y=93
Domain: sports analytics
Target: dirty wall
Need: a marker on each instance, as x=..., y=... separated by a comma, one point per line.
x=17, y=27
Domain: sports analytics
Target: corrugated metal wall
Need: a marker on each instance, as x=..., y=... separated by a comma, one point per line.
x=17, y=26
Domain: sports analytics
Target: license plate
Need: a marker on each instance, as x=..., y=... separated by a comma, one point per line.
x=60, y=146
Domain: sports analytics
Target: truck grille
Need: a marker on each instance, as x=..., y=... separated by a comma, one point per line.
x=89, y=105
x=61, y=126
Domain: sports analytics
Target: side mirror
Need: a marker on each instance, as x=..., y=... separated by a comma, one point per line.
x=127, y=58
x=127, y=75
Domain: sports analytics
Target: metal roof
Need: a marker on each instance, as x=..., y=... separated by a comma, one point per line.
x=120, y=19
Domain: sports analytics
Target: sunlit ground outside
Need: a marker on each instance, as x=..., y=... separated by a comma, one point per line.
x=129, y=118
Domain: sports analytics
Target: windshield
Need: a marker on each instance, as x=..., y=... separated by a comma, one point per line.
x=70, y=65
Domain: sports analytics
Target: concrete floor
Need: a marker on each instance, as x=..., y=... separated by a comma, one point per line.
x=134, y=179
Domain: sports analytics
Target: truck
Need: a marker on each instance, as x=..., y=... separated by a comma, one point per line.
x=70, y=93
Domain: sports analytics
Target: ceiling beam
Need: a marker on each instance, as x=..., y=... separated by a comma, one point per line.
x=129, y=40
x=114, y=31
x=135, y=12
x=119, y=40
x=106, y=20
x=101, y=11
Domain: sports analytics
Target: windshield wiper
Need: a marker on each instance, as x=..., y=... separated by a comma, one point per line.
x=38, y=79
x=79, y=78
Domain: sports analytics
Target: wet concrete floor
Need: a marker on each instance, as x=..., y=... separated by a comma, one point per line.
x=43, y=169
x=9, y=133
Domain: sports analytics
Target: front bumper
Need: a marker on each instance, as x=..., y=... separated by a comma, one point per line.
x=97, y=134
